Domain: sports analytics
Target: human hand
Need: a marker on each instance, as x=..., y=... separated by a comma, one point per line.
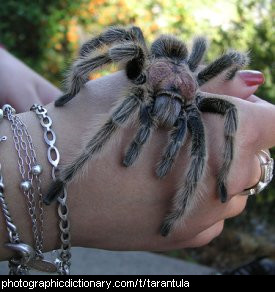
x=20, y=86
x=119, y=208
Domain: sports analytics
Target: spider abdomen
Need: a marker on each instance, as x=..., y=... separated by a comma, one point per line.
x=166, y=110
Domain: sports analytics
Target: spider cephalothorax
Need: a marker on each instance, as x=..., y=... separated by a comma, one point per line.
x=165, y=93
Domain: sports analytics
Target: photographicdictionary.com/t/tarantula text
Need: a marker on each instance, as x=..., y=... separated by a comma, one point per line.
x=165, y=92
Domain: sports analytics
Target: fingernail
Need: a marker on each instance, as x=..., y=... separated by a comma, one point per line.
x=252, y=77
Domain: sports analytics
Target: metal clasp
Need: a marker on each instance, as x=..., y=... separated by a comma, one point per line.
x=24, y=251
x=3, y=138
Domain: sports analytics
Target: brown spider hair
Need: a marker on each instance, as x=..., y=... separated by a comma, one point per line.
x=165, y=92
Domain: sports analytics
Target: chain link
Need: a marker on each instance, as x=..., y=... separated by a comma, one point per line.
x=63, y=262
x=12, y=231
x=18, y=265
x=37, y=180
x=26, y=149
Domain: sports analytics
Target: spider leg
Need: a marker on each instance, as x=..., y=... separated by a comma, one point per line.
x=176, y=139
x=186, y=194
x=137, y=35
x=232, y=60
x=81, y=69
x=170, y=47
x=79, y=75
x=120, y=115
x=147, y=123
x=197, y=53
x=134, y=54
x=229, y=111
x=110, y=36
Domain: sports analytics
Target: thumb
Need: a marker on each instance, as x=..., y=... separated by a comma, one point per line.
x=243, y=85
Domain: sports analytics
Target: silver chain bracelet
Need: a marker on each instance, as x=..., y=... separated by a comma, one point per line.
x=17, y=265
x=31, y=187
x=63, y=261
x=27, y=257
x=31, y=183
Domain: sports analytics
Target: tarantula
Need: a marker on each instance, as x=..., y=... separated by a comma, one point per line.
x=165, y=93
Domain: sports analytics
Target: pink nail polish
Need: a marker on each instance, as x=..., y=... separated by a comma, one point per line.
x=251, y=77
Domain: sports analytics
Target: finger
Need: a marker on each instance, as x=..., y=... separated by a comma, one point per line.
x=253, y=173
x=245, y=177
x=255, y=99
x=236, y=205
x=260, y=116
x=243, y=85
x=261, y=120
x=250, y=79
x=204, y=237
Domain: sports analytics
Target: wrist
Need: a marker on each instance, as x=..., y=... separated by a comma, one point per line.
x=72, y=123
x=69, y=123
x=19, y=203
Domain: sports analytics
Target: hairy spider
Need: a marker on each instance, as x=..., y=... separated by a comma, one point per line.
x=165, y=93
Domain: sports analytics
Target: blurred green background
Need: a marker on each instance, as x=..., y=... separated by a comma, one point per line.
x=47, y=34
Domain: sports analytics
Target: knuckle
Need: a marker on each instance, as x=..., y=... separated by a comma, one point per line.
x=237, y=205
x=203, y=238
x=206, y=237
x=255, y=174
x=247, y=136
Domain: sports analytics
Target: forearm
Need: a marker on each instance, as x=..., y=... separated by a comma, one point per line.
x=21, y=86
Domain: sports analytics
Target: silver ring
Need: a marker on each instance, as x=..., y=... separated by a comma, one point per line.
x=267, y=165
